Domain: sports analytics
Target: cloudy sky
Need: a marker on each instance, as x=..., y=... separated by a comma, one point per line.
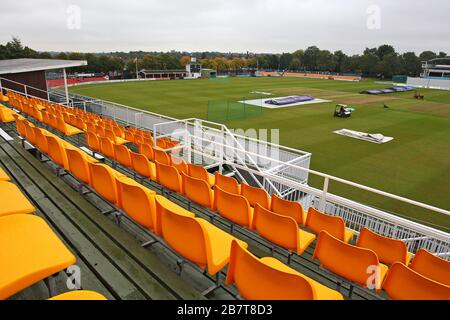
x=226, y=25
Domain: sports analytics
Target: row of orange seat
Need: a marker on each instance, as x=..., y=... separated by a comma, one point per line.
x=195, y=183
x=29, y=250
x=208, y=247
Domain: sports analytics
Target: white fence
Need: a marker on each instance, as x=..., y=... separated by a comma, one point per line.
x=431, y=83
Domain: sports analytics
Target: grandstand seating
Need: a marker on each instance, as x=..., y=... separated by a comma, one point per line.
x=403, y=283
x=281, y=230
x=29, y=252
x=270, y=279
x=228, y=184
x=198, y=190
x=275, y=219
x=199, y=172
x=348, y=261
x=138, y=202
x=234, y=207
x=208, y=246
x=431, y=267
x=388, y=250
x=255, y=196
x=13, y=201
x=317, y=221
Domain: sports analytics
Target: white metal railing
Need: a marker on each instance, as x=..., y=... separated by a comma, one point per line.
x=357, y=215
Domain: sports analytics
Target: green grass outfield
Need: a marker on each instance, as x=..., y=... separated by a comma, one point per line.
x=416, y=164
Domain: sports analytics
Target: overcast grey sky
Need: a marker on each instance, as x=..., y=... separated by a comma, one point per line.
x=226, y=25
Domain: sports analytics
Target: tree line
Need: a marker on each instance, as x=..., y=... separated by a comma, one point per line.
x=382, y=62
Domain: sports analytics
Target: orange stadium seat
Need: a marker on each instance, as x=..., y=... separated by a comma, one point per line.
x=403, y=283
x=255, y=195
x=431, y=267
x=317, y=221
x=228, y=184
x=388, y=250
x=234, y=207
x=199, y=172
x=287, y=208
x=270, y=279
x=143, y=166
x=198, y=191
x=169, y=177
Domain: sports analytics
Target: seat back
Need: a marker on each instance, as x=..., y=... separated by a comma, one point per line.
x=317, y=221
x=57, y=152
x=41, y=140
x=162, y=157
x=233, y=207
x=104, y=181
x=20, y=125
x=61, y=125
x=147, y=151
x=92, y=141
x=111, y=135
x=180, y=164
x=78, y=165
x=431, y=266
x=257, y=280
x=255, y=195
x=388, y=250
x=197, y=190
x=176, y=229
x=29, y=132
x=162, y=205
x=122, y=155
x=169, y=177
x=198, y=172
x=403, y=283
x=107, y=148
x=137, y=201
x=228, y=184
x=350, y=262
x=141, y=165
x=279, y=229
x=287, y=208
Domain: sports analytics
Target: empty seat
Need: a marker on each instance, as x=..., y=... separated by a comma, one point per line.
x=255, y=195
x=169, y=177
x=269, y=279
x=198, y=191
x=138, y=202
x=287, y=208
x=3, y=175
x=281, y=230
x=147, y=151
x=20, y=126
x=107, y=148
x=403, y=283
x=431, y=266
x=317, y=221
x=78, y=164
x=143, y=166
x=162, y=205
x=79, y=295
x=199, y=172
x=234, y=207
x=162, y=157
x=29, y=252
x=41, y=140
x=57, y=151
x=6, y=115
x=67, y=129
x=228, y=184
x=12, y=200
x=122, y=155
x=180, y=164
x=388, y=250
x=208, y=246
x=103, y=180
x=92, y=141
x=115, y=139
x=29, y=132
x=356, y=264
